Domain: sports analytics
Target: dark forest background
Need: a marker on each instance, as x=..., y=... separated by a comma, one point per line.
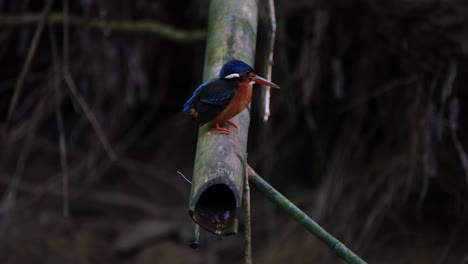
x=368, y=133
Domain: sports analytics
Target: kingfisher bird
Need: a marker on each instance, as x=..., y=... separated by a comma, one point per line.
x=219, y=100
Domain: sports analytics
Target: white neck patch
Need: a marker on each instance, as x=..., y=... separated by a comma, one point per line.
x=232, y=75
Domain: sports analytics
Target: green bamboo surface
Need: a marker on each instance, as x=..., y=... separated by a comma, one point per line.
x=221, y=157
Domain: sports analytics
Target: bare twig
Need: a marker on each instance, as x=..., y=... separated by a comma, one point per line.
x=430, y=141
x=66, y=36
x=270, y=44
x=386, y=88
x=183, y=176
x=143, y=233
x=271, y=11
x=453, y=114
x=41, y=19
x=194, y=241
x=91, y=117
x=9, y=199
x=110, y=199
x=446, y=92
x=121, y=147
x=248, y=226
x=140, y=27
x=74, y=91
x=60, y=127
x=133, y=166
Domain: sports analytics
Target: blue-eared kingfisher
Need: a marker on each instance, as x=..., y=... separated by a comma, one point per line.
x=222, y=98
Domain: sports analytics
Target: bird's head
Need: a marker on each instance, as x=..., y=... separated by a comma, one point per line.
x=239, y=69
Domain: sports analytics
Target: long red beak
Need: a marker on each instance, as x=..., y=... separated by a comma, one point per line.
x=263, y=81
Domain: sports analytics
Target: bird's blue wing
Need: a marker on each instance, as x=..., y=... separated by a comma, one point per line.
x=195, y=97
x=210, y=98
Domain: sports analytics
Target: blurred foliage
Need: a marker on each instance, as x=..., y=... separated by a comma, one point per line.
x=367, y=134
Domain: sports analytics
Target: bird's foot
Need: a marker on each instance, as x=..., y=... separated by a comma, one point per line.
x=222, y=129
x=232, y=124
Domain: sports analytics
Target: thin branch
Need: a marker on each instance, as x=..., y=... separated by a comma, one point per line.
x=60, y=126
x=109, y=199
x=62, y=139
x=9, y=199
x=66, y=36
x=91, y=117
x=140, y=27
x=386, y=88
x=272, y=36
x=453, y=125
x=183, y=176
x=297, y=214
x=265, y=43
x=136, y=168
x=248, y=225
x=40, y=20
x=66, y=20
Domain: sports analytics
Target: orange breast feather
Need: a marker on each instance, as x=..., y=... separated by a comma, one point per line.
x=238, y=103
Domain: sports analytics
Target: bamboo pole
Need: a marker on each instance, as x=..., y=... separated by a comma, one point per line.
x=220, y=161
